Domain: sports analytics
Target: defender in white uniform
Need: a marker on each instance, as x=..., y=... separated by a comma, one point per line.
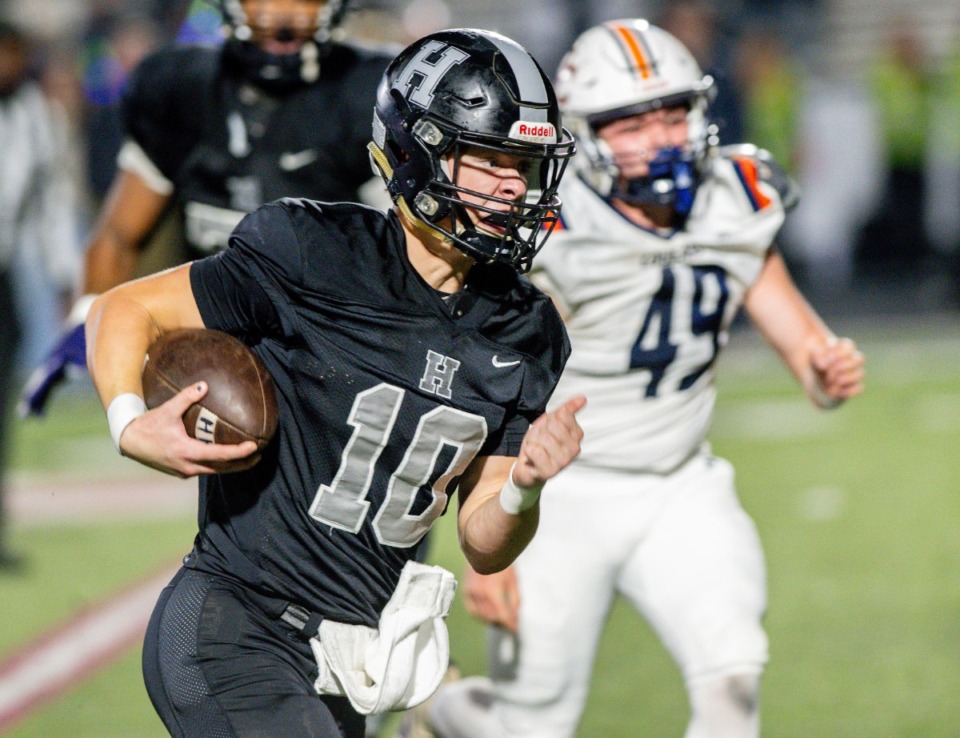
x=663, y=238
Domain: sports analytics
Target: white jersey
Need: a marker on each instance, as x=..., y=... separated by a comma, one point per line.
x=648, y=313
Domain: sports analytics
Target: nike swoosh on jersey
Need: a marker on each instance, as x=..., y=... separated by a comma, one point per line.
x=500, y=364
x=297, y=160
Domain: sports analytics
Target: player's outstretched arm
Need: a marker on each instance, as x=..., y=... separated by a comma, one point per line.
x=499, y=495
x=829, y=368
x=121, y=325
x=130, y=212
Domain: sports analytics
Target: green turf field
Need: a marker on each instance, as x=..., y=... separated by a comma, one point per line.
x=858, y=510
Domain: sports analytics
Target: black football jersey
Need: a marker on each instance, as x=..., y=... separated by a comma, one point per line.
x=386, y=392
x=228, y=146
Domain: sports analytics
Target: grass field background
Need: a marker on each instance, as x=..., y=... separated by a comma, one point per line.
x=858, y=510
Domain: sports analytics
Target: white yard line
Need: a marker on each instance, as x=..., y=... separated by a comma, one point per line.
x=34, y=500
x=62, y=657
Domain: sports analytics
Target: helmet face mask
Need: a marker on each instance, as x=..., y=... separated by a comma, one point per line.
x=467, y=92
x=280, y=49
x=628, y=68
x=262, y=21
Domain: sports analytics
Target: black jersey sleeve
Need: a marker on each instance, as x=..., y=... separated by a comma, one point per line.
x=551, y=349
x=532, y=326
x=245, y=290
x=529, y=323
x=164, y=103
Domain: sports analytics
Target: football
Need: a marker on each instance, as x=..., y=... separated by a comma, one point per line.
x=241, y=401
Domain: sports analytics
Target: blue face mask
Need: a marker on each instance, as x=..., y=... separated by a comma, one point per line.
x=672, y=181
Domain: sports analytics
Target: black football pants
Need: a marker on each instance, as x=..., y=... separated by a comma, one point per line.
x=217, y=666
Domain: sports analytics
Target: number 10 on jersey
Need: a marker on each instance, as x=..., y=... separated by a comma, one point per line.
x=343, y=503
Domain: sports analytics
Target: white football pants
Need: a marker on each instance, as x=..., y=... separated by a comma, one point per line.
x=679, y=548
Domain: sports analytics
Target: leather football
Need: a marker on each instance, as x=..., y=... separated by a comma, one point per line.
x=241, y=400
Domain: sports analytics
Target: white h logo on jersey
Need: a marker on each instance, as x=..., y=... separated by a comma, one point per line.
x=429, y=72
x=438, y=376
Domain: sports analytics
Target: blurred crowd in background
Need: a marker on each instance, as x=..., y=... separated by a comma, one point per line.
x=866, y=122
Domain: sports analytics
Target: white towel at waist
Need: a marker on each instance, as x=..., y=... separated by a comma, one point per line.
x=399, y=664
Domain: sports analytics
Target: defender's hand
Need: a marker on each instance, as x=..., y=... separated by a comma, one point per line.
x=838, y=372
x=70, y=352
x=493, y=598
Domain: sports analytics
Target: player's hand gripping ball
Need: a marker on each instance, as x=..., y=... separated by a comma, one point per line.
x=241, y=402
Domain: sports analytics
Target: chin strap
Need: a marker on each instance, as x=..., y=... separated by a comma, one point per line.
x=422, y=228
x=381, y=163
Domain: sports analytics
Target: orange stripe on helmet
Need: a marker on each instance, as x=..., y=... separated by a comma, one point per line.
x=636, y=52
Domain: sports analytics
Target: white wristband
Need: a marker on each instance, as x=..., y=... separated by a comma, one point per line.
x=122, y=411
x=515, y=499
x=80, y=309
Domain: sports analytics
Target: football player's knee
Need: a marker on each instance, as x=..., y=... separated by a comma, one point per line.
x=743, y=691
x=739, y=646
x=734, y=697
x=725, y=706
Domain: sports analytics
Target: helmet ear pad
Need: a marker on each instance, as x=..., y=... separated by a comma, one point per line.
x=411, y=174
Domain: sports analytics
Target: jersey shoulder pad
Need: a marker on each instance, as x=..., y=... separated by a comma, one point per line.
x=312, y=245
x=174, y=73
x=526, y=320
x=547, y=342
x=525, y=317
x=357, y=62
x=160, y=101
x=342, y=238
x=269, y=235
x=754, y=165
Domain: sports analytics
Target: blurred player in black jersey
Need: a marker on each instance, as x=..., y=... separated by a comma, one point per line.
x=411, y=359
x=280, y=109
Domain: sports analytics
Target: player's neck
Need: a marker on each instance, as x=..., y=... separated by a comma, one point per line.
x=652, y=217
x=438, y=262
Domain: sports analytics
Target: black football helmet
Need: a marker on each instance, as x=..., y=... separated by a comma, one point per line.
x=463, y=88
x=274, y=71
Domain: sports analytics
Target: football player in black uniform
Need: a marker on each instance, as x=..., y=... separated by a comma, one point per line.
x=411, y=358
x=278, y=110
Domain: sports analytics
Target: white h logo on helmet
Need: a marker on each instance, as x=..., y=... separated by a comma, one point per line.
x=427, y=73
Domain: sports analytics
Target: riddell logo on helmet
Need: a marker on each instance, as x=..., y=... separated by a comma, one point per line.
x=534, y=132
